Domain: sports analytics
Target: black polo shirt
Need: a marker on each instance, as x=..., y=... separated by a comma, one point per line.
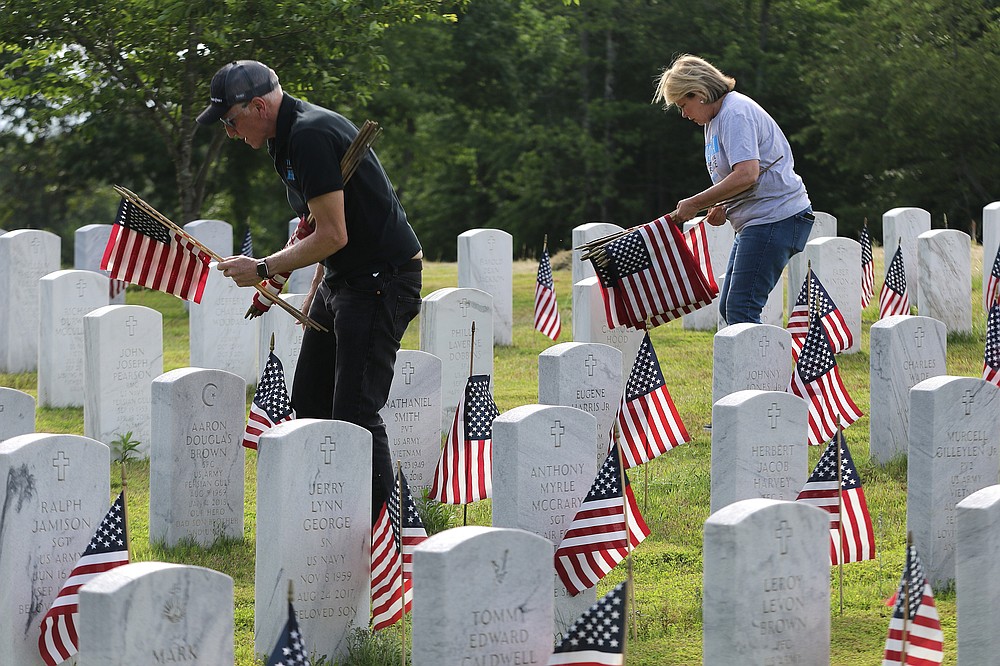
x=307, y=149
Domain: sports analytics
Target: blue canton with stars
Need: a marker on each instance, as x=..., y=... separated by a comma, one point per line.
x=895, y=277
x=629, y=254
x=607, y=484
x=412, y=517
x=480, y=410
x=601, y=627
x=271, y=394
x=915, y=578
x=816, y=358
x=132, y=217
x=992, y=352
x=646, y=376
x=866, y=247
x=826, y=468
x=821, y=301
x=290, y=649
x=545, y=271
x=111, y=535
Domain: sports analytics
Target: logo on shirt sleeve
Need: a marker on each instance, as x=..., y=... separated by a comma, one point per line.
x=289, y=173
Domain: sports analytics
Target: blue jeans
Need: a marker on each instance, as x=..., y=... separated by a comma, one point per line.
x=346, y=374
x=758, y=256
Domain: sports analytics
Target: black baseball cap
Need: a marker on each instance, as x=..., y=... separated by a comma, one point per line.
x=237, y=82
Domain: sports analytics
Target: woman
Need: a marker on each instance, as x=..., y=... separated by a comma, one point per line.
x=754, y=183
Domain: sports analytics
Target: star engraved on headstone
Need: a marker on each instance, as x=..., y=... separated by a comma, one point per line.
x=967, y=400
x=464, y=306
x=773, y=412
x=918, y=336
x=763, y=344
x=328, y=447
x=60, y=462
x=590, y=364
x=557, y=432
x=408, y=371
x=130, y=324
x=782, y=534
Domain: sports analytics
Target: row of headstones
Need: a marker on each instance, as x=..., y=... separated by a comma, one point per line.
x=485, y=263
x=763, y=598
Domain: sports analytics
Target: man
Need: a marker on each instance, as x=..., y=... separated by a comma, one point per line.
x=366, y=289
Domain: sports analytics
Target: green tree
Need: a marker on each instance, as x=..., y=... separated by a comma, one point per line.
x=66, y=61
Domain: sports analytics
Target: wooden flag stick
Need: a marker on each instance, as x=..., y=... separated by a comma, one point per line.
x=272, y=341
x=155, y=214
x=128, y=542
x=291, y=591
x=840, y=512
x=399, y=542
x=809, y=291
x=472, y=355
x=628, y=539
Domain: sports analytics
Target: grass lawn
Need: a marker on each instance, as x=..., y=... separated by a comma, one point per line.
x=673, y=490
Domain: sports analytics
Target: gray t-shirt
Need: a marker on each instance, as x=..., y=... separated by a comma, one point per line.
x=743, y=131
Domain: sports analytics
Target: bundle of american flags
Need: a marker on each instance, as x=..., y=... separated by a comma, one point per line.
x=652, y=274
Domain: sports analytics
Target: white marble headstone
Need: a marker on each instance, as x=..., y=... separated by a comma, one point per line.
x=57, y=490
x=216, y=235
x=902, y=226
x=412, y=416
x=89, y=242
x=499, y=611
x=944, y=278
x=837, y=263
x=766, y=579
x=64, y=297
x=220, y=337
x=25, y=256
x=124, y=354
x=825, y=225
x=720, y=244
x=301, y=278
x=584, y=233
x=904, y=351
x=751, y=356
x=954, y=451
x=485, y=262
x=157, y=613
x=287, y=337
x=587, y=376
x=590, y=324
x=977, y=585
x=543, y=467
x=760, y=447
x=991, y=243
x=446, y=318
x=196, y=458
x=314, y=491
x=17, y=413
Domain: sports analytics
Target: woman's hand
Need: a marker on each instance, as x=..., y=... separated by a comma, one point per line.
x=716, y=216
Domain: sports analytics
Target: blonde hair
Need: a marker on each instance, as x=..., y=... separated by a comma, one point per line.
x=690, y=75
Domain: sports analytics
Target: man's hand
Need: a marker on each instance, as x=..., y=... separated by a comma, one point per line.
x=242, y=269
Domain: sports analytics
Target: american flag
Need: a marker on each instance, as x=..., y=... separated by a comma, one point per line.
x=825, y=491
x=816, y=379
x=546, y=308
x=270, y=405
x=290, y=650
x=595, y=541
x=464, y=472
x=833, y=321
x=647, y=419
x=991, y=355
x=918, y=627
x=867, y=268
x=246, y=247
x=654, y=276
x=276, y=282
x=597, y=638
x=387, y=535
x=893, y=299
x=990, y=294
x=108, y=548
x=144, y=251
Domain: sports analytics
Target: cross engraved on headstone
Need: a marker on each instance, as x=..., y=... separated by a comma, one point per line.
x=328, y=447
x=491, y=242
x=782, y=534
x=918, y=336
x=464, y=306
x=60, y=462
x=408, y=371
x=36, y=245
x=590, y=364
x=763, y=344
x=557, y=432
x=967, y=400
x=1, y=409
x=130, y=324
x=773, y=412
x=81, y=286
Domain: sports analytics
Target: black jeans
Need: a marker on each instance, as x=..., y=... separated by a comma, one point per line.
x=346, y=374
